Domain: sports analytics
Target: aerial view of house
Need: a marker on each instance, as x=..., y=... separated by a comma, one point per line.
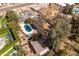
x=39, y=29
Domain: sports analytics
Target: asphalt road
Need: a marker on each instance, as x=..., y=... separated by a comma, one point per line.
x=16, y=6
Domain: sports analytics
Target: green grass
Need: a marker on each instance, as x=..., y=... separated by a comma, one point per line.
x=14, y=31
x=2, y=31
x=8, y=47
x=7, y=54
x=4, y=21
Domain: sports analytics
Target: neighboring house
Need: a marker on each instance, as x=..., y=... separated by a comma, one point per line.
x=38, y=49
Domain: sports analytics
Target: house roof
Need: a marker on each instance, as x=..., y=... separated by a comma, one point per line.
x=27, y=14
x=38, y=48
x=49, y=11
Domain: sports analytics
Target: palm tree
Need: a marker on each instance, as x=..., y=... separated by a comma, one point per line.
x=11, y=15
x=29, y=20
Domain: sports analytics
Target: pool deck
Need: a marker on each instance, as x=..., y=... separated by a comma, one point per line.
x=23, y=29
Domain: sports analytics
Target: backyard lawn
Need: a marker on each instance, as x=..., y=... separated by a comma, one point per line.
x=3, y=21
x=2, y=31
x=11, y=44
x=14, y=31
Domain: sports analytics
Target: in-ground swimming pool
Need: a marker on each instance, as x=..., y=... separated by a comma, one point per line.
x=27, y=28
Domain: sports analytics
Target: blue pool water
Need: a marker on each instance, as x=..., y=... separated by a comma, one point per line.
x=27, y=28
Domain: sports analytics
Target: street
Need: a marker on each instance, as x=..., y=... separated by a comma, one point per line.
x=16, y=6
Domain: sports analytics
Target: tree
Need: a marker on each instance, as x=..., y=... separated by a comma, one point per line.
x=75, y=29
x=11, y=15
x=36, y=36
x=67, y=9
x=19, y=49
x=20, y=52
x=29, y=20
x=51, y=53
x=59, y=31
x=16, y=47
